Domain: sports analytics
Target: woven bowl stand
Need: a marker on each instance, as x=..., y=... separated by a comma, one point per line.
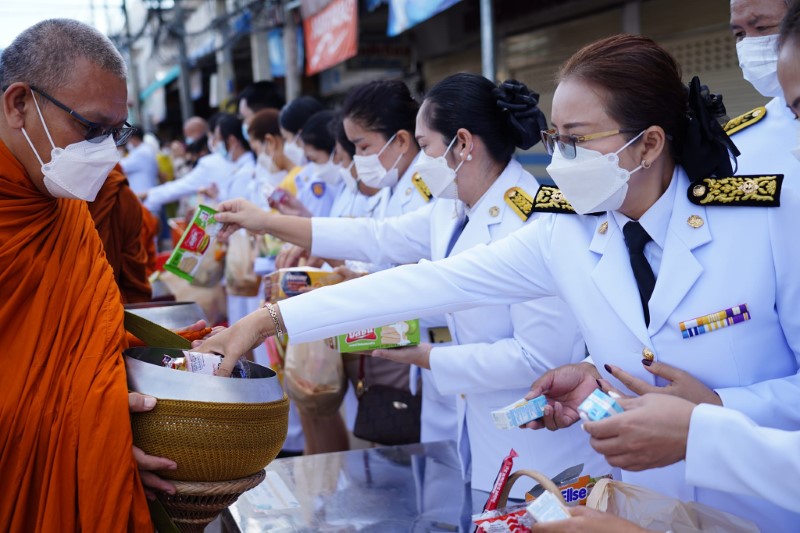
x=196, y=504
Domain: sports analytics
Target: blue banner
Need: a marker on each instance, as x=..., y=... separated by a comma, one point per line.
x=403, y=14
x=277, y=55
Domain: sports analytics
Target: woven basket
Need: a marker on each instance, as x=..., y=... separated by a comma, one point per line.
x=195, y=505
x=212, y=441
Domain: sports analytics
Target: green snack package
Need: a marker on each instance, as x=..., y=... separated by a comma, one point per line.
x=194, y=243
x=397, y=335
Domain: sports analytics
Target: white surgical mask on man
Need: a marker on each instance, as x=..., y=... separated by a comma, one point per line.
x=758, y=59
x=371, y=171
x=79, y=170
x=437, y=174
x=592, y=182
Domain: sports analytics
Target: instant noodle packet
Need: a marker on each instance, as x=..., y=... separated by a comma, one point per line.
x=194, y=243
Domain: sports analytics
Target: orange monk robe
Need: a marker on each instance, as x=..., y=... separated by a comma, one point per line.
x=118, y=217
x=65, y=436
x=150, y=228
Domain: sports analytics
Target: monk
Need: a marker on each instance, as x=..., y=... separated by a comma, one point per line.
x=120, y=221
x=66, y=456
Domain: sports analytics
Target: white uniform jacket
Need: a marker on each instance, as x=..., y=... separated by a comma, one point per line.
x=210, y=169
x=316, y=195
x=772, y=464
x=738, y=255
x=404, y=197
x=766, y=145
x=498, y=351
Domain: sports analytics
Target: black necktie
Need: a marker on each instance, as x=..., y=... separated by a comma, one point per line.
x=635, y=238
x=459, y=229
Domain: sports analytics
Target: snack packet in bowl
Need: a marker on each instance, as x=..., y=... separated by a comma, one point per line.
x=194, y=243
x=201, y=363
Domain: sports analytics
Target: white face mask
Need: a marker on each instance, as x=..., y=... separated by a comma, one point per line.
x=347, y=177
x=266, y=162
x=372, y=173
x=327, y=172
x=758, y=59
x=294, y=153
x=437, y=174
x=592, y=182
x=79, y=170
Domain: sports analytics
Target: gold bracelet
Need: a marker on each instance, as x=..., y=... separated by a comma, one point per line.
x=274, y=315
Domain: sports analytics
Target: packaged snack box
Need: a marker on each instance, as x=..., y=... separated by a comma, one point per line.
x=575, y=492
x=395, y=335
x=288, y=282
x=547, y=508
x=194, y=243
x=597, y=406
x=519, y=413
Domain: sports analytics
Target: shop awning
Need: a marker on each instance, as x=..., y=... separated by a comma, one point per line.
x=171, y=75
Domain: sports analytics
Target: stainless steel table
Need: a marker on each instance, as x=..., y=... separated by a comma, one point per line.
x=414, y=488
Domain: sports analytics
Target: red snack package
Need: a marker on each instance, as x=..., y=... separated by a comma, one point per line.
x=500, y=481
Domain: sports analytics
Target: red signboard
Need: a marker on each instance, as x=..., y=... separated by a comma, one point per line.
x=331, y=35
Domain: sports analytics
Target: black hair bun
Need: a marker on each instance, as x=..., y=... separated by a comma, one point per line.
x=706, y=149
x=521, y=105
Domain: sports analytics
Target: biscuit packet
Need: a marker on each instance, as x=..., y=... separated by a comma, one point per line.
x=288, y=282
x=397, y=335
x=194, y=244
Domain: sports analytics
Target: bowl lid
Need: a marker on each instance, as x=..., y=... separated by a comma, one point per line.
x=147, y=376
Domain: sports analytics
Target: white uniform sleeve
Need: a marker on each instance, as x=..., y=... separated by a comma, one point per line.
x=538, y=345
x=727, y=451
x=200, y=176
x=394, y=240
x=776, y=402
x=511, y=270
x=134, y=162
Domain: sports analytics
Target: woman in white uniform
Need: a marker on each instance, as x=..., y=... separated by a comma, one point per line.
x=468, y=129
x=657, y=430
x=627, y=147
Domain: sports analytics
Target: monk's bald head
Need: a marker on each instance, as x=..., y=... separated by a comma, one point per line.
x=194, y=128
x=45, y=55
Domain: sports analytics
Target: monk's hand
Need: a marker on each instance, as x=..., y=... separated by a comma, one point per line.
x=419, y=355
x=585, y=520
x=565, y=388
x=139, y=403
x=682, y=384
x=214, y=331
x=239, y=213
x=651, y=433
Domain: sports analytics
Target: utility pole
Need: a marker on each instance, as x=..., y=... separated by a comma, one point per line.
x=290, y=52
x=133, y=73
x=487, y=40
x=185, y=92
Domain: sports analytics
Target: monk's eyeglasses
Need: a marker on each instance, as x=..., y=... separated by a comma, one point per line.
x=95, y=132
x=566, y=143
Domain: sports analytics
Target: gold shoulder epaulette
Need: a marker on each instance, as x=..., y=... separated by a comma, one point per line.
x=759, y=191
x=551, y=200
x=743, y=121
x=520, y=201
x=421, y=186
